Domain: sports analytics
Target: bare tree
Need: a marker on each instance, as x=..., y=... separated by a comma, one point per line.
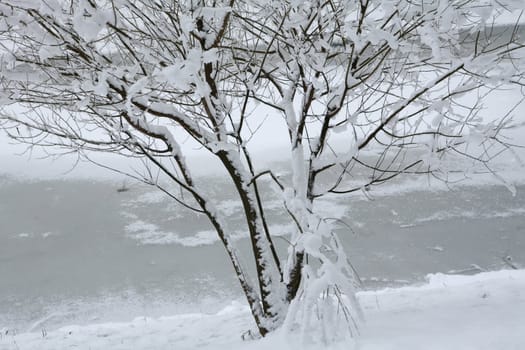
x=404, y=78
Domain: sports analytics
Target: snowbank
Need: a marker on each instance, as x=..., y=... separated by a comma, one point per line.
x=484, y=311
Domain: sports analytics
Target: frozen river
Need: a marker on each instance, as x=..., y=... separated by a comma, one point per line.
x=78, y=251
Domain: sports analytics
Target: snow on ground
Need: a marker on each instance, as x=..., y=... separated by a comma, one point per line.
x=483, y=311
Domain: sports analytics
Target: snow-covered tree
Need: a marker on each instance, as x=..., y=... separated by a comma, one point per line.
x=138, y=77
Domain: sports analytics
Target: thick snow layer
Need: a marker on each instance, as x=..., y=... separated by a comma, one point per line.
x=484, y=311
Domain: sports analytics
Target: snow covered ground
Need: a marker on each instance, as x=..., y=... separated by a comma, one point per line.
x=483, y=311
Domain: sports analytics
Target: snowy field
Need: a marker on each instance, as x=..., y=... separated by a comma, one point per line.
x=483, y=311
